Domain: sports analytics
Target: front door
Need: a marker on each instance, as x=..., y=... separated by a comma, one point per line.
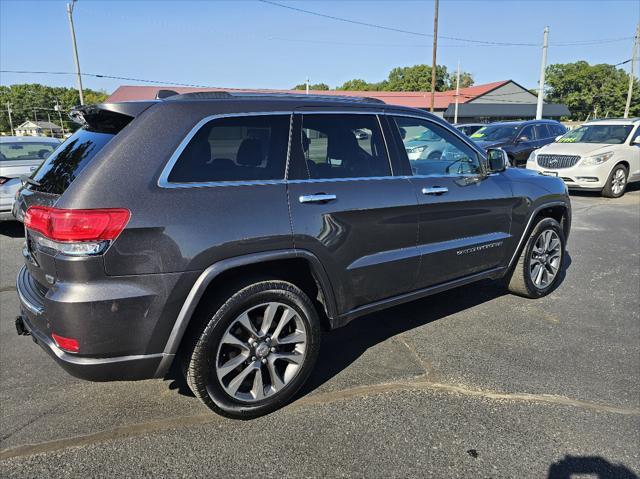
x=464, y=215
x=349, y=210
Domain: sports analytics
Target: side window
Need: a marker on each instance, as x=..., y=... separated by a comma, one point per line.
x=235, y=149
x=542, y=131
x=558, y=130
x=343, y=146
x=527, y=132
x=434, y=150
x=636, y=135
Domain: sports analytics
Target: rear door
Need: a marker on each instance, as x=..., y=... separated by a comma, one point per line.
x=349, y=209
x=464, y=215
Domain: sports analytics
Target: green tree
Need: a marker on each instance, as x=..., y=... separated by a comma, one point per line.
x=314, y=86
x=417, y=78
x=586, y=88
x=412, y=78
x=33, y=101
x=358, y=84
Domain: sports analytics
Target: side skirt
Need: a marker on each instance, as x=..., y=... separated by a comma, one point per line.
x=343, y=319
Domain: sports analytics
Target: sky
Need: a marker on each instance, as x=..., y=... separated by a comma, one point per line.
x=251, y=44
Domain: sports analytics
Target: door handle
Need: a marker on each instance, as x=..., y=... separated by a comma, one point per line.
x=435, y=190
x=317, y=198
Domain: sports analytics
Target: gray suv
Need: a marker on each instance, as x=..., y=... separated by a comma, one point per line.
x=225, y=232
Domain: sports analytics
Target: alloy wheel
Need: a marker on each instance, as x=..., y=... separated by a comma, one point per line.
x=545, y=260
x=261, y=351
x=618, y=181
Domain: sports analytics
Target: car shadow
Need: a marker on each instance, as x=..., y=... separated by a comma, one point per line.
x=591, y=466
x=12, y=229
x=343, y=346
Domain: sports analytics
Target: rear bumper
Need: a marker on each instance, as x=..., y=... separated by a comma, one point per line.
x=34, y=319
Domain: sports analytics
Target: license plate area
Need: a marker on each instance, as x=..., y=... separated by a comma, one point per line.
x=549, y=173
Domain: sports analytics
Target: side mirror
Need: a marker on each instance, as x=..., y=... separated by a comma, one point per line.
x=636, y=141
x=497, y=160
x=522, y=139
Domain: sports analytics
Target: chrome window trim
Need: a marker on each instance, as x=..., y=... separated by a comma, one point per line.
x=163, y=180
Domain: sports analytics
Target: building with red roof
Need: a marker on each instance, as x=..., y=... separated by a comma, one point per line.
x=501, y=100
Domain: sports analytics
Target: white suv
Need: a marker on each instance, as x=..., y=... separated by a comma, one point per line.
x=599, y=155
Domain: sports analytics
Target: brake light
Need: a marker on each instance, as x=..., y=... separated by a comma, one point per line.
x=68, y=344
x=68, y=226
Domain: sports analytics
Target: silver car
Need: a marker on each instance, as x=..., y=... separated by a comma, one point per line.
x=20, y=155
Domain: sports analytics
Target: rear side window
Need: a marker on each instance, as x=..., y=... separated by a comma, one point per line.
x=542, y=132
x=242, y=148
x=342, y=146
x=65, y=163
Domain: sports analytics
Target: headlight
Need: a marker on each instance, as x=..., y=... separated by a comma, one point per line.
x=532, y=157
x=597, y=159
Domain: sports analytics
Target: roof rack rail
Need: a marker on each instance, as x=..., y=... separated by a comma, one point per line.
x=633, y=119
x=217, y=95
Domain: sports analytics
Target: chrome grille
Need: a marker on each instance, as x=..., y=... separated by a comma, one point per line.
x=555, y=162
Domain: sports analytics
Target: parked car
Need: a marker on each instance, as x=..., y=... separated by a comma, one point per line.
x=601, y=155
x=20, y=155
x=425, y=145
x=469, y=128
x=268, y=222
x=518, y=138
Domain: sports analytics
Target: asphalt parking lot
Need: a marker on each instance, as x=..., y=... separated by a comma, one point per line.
x=469, y=383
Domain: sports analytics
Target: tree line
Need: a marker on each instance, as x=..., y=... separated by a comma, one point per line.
x=33, y=101
x=412, y=78
x=587, y=90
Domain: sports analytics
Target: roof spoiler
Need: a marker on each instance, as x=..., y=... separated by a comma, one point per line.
x=108, y=117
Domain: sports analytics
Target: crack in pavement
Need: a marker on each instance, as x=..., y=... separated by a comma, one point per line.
x=419, y=383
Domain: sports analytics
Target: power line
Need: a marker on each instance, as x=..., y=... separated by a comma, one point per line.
x=469, y=40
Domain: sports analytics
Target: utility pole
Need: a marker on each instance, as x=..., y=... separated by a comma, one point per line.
x=59, y=110
x=543, y=66
x=50, y=129
x=10, y=120
x=433, y=62
x=455, y=114
x=307, y=85
x=75, y=49
x=634, y=58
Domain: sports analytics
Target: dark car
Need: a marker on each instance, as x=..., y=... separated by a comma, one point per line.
x=469, y=128
x=518, y=138
x=225, y=231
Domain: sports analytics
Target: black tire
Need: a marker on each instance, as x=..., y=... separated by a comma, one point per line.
x=201, y=355
x=434, y=155
x=608, y=190
x=520, y=281
x=512, y=161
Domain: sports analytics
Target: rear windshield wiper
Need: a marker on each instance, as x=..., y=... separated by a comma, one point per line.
x=31, y=181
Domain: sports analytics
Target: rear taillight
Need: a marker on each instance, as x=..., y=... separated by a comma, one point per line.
x=76, y=232
x=3, y=180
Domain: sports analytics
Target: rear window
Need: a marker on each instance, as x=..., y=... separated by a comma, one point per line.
x=61, y=168
x=23, y=150
x=245, y=148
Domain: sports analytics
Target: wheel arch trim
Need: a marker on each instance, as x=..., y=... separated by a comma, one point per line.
x=566, y=205
x=209, y=274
